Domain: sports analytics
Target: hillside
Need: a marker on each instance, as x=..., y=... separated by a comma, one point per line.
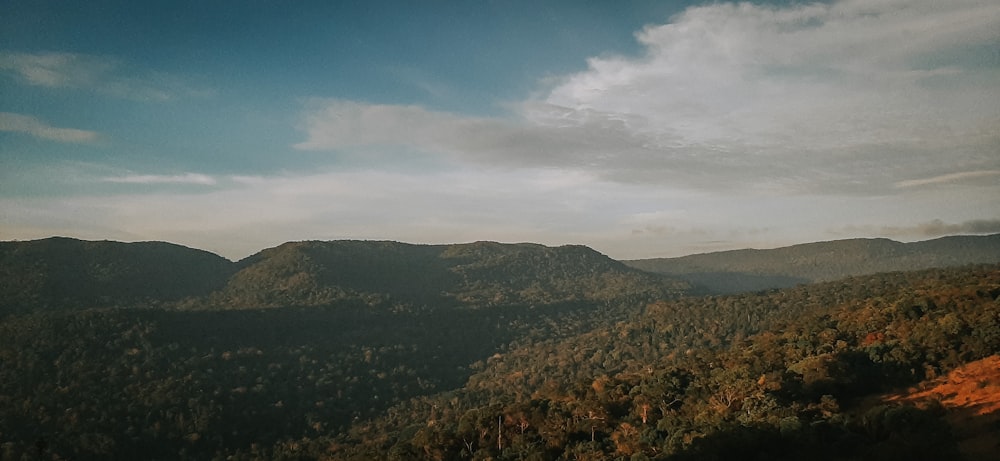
x=304, y=338
x=767, y=376
x=61, y=272
x=968, y=398
x=749, y=270
x=484, y=351
x=400, y=275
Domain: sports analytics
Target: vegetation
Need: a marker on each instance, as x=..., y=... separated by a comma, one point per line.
x=63, y=273
x=488, y=351
x=402, y=276
x=775, y=374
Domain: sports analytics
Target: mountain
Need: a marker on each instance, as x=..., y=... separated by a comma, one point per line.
x=479, y=274
x=382, y=350
x=62, y=272
x=67, y=273
x=750, y=269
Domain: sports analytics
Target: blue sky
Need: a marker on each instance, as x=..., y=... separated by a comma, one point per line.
x=640, y=128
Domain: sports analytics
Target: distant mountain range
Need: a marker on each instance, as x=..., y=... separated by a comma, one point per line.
x=59, y=273
x=67, y=273
x=751, y=270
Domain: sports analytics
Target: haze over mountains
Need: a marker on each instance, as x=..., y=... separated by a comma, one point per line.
x=749, y=270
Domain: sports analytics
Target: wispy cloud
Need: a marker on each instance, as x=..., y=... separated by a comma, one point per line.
x=105, y=75
x=186, y=178
x=948, y=178
x=27, y=124
x=849, y=97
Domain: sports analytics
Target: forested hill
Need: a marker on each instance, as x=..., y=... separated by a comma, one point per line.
x=66, y=273
x=775, y=375
x=480, y=274
x=61, y=272
x=750, y=270
x=354, y=350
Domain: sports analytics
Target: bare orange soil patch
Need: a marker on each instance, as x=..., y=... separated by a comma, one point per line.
x=970, y=396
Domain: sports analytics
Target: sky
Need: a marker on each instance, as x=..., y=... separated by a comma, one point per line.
x=639, y=128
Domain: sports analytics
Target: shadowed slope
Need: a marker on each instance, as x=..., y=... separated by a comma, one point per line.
x=67, y=273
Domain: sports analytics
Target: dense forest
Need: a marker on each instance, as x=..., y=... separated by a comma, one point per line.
x=378, y=350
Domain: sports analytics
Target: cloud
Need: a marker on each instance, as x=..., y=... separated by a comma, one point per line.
x=243, y=214
x=850, y=97
x=349, y=125
x=98, y=73
x=186, y=178
x=238, y=215
x=948, y=178
x=937, y=228
x=27, y=124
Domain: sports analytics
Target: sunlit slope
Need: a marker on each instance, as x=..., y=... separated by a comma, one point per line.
x=969, y=398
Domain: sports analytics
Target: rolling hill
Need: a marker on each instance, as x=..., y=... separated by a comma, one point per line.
x=60, y=272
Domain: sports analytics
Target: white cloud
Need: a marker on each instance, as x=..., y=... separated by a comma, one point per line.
x=961, y=176
x=27, y=124
x=851, y=97
x=98, y=73
x=740, y=125
x=247, y=213
x=239, y=215
x=186, y=178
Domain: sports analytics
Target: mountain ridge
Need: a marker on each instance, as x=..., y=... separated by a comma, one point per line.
x=733, y=271
x=61, y=272
x=68, y=273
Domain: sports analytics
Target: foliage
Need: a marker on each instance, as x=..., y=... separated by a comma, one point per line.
x=60, y=273
x=777, y=374
x=485, y=351
x=403, y=276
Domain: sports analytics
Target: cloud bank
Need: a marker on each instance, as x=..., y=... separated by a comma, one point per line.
x=853, y=97
x=738, y=125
